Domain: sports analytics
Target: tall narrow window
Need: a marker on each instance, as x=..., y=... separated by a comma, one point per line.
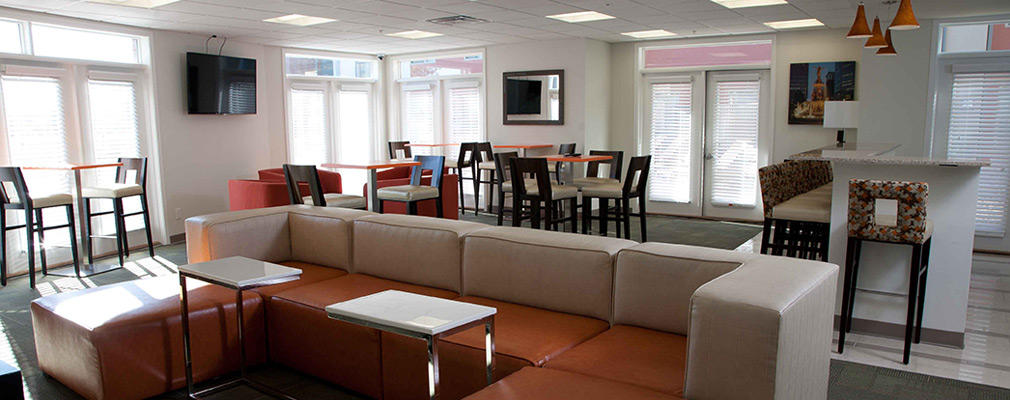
x=980, y=128
x=310, y=142
x=735, y=142
x=115, y=128
x=464, y=114
x=355, y=140
x=670, y=144
x=419, y=110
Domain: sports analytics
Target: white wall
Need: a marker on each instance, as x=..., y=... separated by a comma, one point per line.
x=200, y=153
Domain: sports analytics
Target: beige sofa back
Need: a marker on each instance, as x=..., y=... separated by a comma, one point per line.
x=654, y=282
x=551, y=270
x=418, y=250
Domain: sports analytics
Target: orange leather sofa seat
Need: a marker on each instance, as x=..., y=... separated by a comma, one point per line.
x=124, y=341
x=311, y=273
x=549, y=384
x=642, y=357
x=303, y=337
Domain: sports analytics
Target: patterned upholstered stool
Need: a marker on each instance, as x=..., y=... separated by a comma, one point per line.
x=797, y=203
x=908, y=227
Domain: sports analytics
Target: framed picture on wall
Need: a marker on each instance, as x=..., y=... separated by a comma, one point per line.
x=811, y=84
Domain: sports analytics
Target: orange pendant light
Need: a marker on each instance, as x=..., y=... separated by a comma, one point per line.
x=889, y=50
x=905, y=18
x=860, y=30
x=877, y=41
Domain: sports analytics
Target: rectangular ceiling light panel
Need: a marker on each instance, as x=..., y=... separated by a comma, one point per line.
x=797, y=23
x=749, y=3
x=414, y=34
x=653, y=34
x=299, y=20
x=136, y=3
x=582, y=16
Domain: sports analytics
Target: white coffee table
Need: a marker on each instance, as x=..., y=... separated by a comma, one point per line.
x=422, y=317
x=238, y=274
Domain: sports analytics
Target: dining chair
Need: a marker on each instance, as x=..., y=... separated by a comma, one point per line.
x=415, y=191
x=32, y=206
x=634, y=186
x=541, y=193
x=295, y=175
x=401, y=147
x=125, y=186
x=464, y=160
x=483, y=162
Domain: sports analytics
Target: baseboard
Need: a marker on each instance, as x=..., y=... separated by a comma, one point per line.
x=177, y=238
x=897, y=331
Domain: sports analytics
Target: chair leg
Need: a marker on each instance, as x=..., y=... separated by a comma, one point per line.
x=517, y=211
x=87, y=231
x=381, y=203
x=535, y=214
x=438, y=205
x=627, y=218
x=618, y=217
x=551, y=208
x=73, y=240
x=462, y=201
x=913, y=292
x=117, y=216
x=147, y=225
x=766, y=233
x=411, y=208
x=42, y=241
x=573, y=204
x=843, y=319
x=587, y=208
x=30, y=227
x=476, y=188
x=922, y=288
x=122, y=223
x=501, y=208
x=641, y=216
x=3, y=247
x=855, y=282
x=604, y=207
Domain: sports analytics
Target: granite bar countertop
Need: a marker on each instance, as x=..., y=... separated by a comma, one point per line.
x=877, y=153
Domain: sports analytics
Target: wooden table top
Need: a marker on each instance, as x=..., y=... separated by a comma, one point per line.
x=522, y=146
x=71, y=167
x=582, y=158
x=374, y=164
x=432, y=144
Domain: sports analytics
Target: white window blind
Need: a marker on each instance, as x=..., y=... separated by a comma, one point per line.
x=310, y=142
x=980, y=128
x=464, y=114
x=355, y=135
x=735, y=142
x=419, y=124
x=670, y=142
x=115, y=127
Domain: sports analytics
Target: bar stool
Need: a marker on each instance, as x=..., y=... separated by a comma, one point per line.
x=415, y=192
x=483, y=156
x=909, y=227
x=503, y=170
x=593, y=169
x=541, y=191
x=634, y=186
x=121, y=189
x=399, y=146
x=33, y=207
x=308, y=174
x=558, y=168
x=463, y=160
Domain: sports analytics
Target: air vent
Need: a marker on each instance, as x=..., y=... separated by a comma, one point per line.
x=457, y=20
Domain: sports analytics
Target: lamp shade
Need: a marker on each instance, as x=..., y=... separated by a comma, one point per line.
x=889, y=50
x=904, y=19
x=841, y=114
x=877, y=41
x=860, y=30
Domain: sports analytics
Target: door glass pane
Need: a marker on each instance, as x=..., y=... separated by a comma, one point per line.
x=10, y=37
x=54, y=41
x=419, y=124
x=310, y=144
x=115, y=133
x=355, y=136
x=735, y=143
x=670, y=144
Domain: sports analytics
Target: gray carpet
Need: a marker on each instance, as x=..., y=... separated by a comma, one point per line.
x=851, y=381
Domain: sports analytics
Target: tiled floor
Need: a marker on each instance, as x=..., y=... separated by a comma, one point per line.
x=985, y=357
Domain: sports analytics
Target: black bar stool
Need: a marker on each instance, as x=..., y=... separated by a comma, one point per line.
x=540, y=190
x=32, y=207
x=634, y=186
x=415, y=191
x=308, y=174
x=463, y=161
x=124, y=187
x=483, y=161
x=909, y=227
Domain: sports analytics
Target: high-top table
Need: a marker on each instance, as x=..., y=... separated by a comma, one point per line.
x=238, y=274
x=422, y=317
x=86, y=269
x=523, y=147
x=373, y=168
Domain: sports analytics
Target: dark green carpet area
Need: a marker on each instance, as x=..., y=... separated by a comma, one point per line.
x=851, y=381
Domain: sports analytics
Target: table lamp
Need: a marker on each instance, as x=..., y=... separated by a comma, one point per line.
x=841, y=115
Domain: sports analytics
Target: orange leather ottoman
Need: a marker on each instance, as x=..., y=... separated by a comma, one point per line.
x=303, y=337
x=642, y=357
x=549, y=384
x=124, y=341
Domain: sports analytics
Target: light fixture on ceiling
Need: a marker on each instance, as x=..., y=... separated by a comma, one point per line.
x=458, y=20
x=877, y=40
x=860, y=29
x=581, y=16
x=299, y=20
x=653, y=34
x=796, y=23
x=905, y=18
x=749, y=3
x=136, y=3
x=888, y=50
x=414, y=34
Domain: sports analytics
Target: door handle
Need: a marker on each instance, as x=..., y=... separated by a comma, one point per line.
x=709, y=156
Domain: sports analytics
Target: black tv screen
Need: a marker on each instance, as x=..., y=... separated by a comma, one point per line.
x=221, y=84
x=523, y=96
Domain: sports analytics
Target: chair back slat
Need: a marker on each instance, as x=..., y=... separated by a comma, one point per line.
x=467, y=152
x=638, y=175
x=533, y=167
x=483, y=151
x=503, y=165
x=137, y=165
x=399, y=146
x=435, y=164
x=910, y=221
x=617, y=160
x=566, y=148
x=12, y=176
x=308, y=174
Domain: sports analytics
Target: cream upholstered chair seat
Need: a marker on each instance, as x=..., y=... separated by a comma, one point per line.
x=488, y=165
x=112, y=190
x=52, y=200
x=451, y=163
x=558, y=192
x=408, y=193
x=592, y=180
x=813, y=206
x=604, y=190
x=339, y=200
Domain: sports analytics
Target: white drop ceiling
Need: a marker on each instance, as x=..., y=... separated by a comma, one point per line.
x=363, y=26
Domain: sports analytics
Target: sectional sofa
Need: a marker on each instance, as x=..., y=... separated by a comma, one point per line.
x=579, y=317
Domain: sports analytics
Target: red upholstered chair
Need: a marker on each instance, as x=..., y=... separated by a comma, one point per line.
x=401, y=176
x=271, y=190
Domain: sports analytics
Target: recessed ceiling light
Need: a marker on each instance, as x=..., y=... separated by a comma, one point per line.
x=414, y=34
x=796, y=23
x=581, y=16
x=749, y=3
x=136, y=3
x=657, y=33
x=299, y=20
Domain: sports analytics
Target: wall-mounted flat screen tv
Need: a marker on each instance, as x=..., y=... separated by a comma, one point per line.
x=221, y=84
x=524, y=96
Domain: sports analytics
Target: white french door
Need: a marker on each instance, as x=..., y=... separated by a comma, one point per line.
x=707, y=132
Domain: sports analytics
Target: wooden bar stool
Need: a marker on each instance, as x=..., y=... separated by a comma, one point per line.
x=121, y=189
x=32, y=207
x=294, y=175
x=415, y=191
x=463, y=161
x=593, y=169
x=634, y=186
x=483, y=156
x=909, y=227
x=540, y=190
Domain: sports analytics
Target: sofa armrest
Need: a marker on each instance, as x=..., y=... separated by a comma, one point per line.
x=765, y=327
x=262, y=234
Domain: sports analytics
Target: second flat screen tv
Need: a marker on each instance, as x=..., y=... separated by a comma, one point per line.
x=221, y=84
x=523, y=96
